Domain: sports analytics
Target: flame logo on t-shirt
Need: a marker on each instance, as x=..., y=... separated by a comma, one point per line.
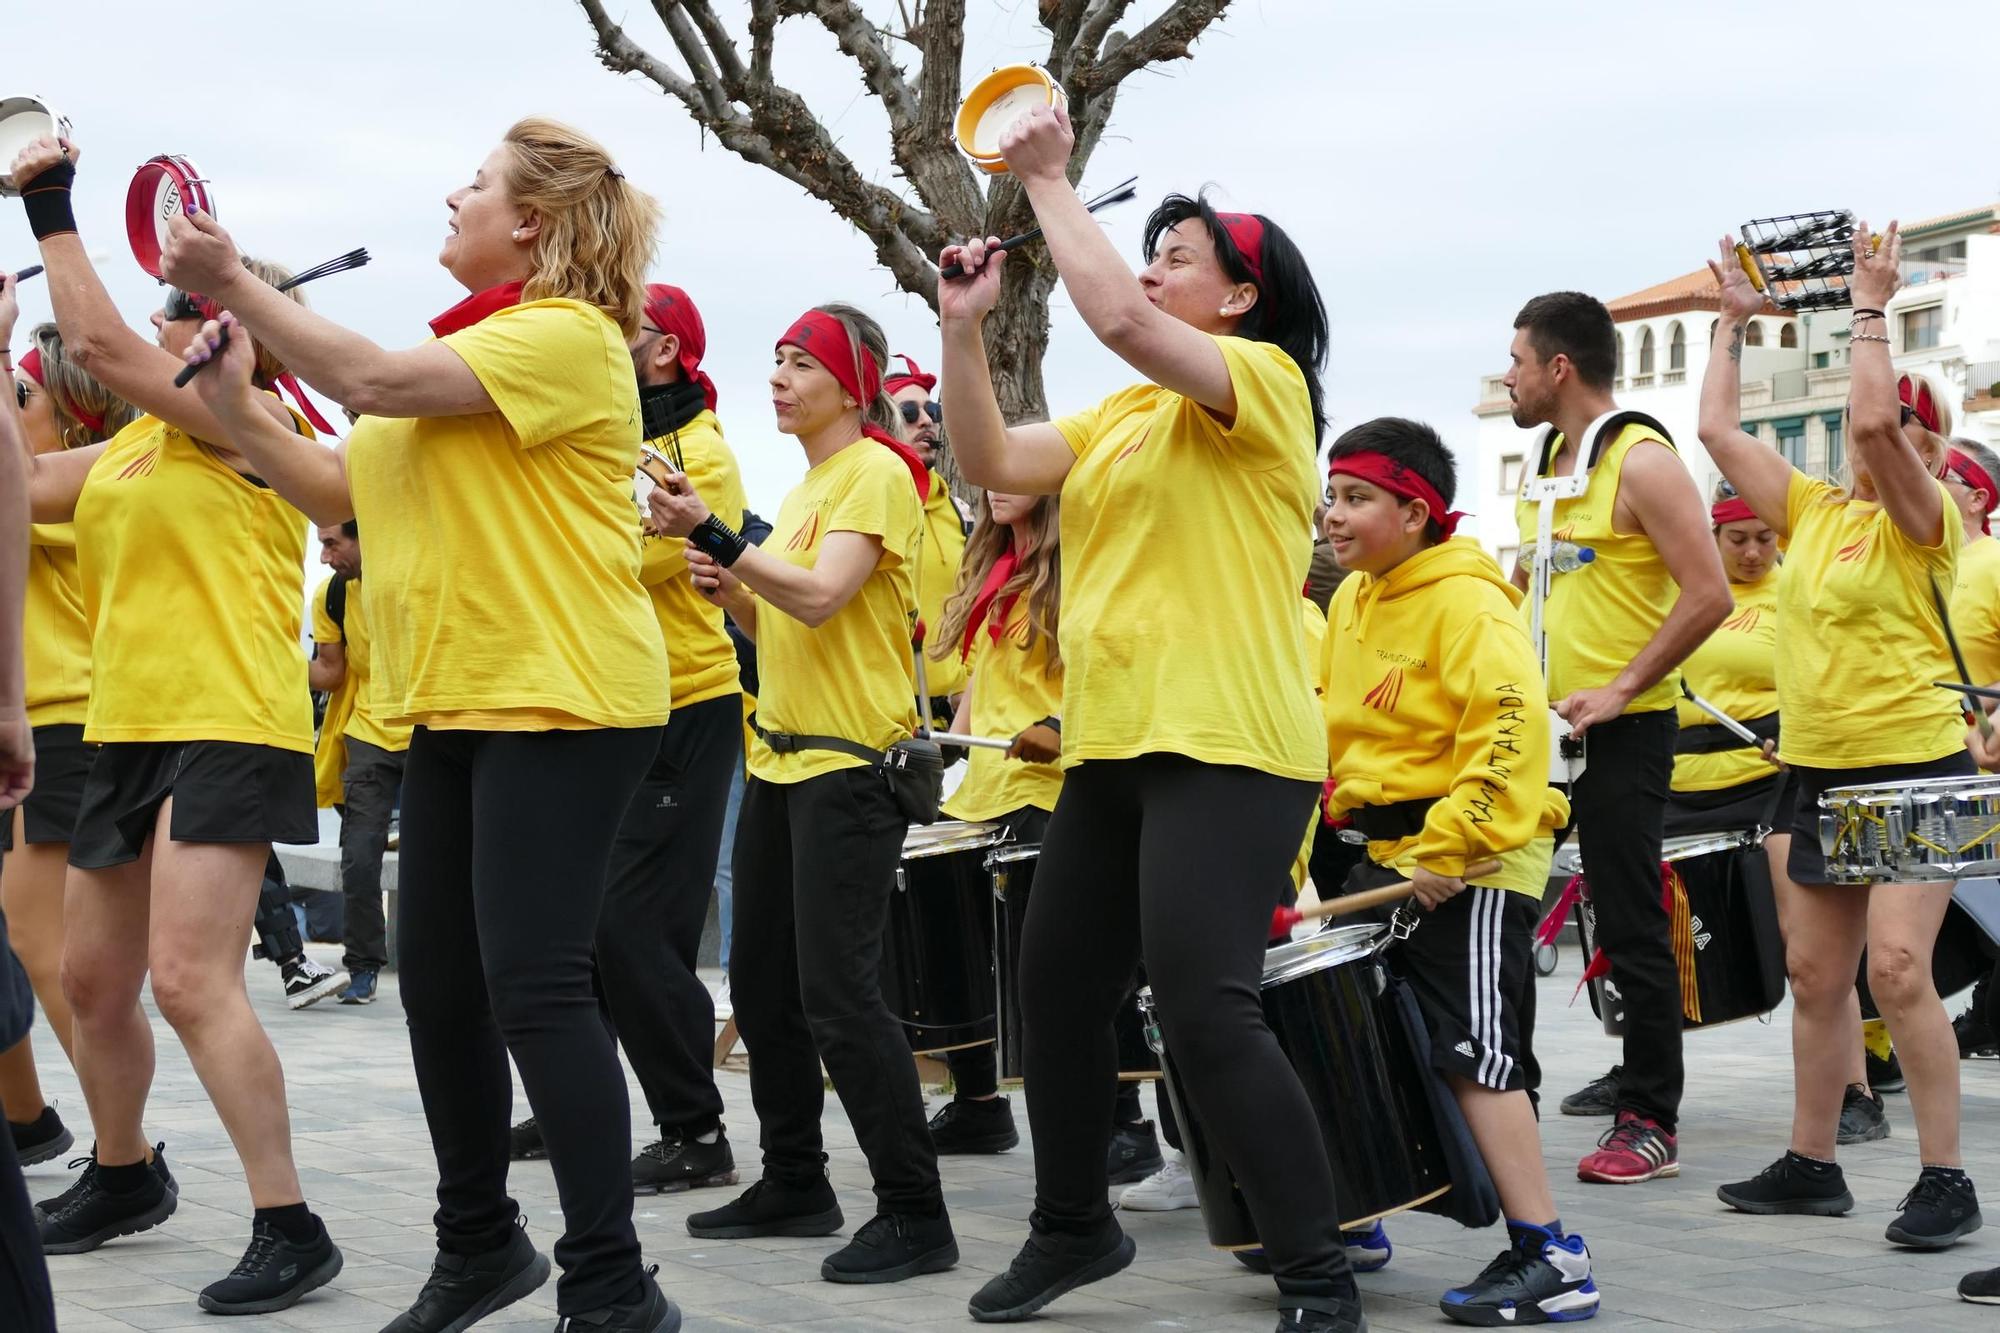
x=142, y=466
x=1386, y=692
x=1135, y=446
x=807, y=534
x=1857, y=549
x=1745, y=620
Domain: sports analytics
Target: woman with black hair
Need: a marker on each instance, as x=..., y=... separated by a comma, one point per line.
x=1187, y=504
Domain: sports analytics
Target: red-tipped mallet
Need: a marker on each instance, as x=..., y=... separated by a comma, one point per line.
x=1284, y=918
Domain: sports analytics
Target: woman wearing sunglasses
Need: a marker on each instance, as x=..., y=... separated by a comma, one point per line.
x=920, y=425
x=1866, y=563
x=190, y=573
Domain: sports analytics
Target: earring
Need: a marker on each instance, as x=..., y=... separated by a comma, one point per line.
x=1224, y=312
x=517, y=233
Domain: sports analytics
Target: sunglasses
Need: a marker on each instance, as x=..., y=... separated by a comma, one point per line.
x=21, y=395
x=911, y=411
x=181, y=305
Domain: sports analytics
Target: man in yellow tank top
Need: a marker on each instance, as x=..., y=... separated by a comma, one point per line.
x=1617, y=630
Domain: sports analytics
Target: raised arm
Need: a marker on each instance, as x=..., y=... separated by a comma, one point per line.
x=308, y=473
x=17, y=741
x=51, y=482
x=1908, y=491
x=1029, y=459
x=1760, y=475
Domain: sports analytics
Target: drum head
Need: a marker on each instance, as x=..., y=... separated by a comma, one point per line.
x=949, y=835
x=997, y=101
x=160, y=189
x=1329, y=948
x=22, y=121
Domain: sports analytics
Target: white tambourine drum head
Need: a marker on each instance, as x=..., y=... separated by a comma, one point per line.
x=22, y=121
x=164, y=186
x=997, y=101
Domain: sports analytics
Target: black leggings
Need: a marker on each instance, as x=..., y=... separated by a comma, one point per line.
x=1186, y=860
x=503, y=868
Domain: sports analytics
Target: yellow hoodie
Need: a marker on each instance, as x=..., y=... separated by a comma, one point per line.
x=1430, y=690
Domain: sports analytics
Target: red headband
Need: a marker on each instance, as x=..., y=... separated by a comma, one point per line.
x=1917, y=397
x=671, y=311
x=1733, y=510
x=913, y=375
x=31, y=366
x=1964, y=464
x=1384, y=471
x=1247, y=231
x=824, y=339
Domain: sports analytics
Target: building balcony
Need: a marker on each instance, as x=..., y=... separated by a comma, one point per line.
x=1917, y=271
x=1642, y=381
x=1673, y=377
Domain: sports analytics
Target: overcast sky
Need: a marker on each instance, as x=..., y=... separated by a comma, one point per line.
x=1438, y=162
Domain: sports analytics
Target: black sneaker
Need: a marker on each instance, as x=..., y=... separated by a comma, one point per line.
x=1597, y=1097
x=650, y=1312
x=524, y=1141
x=1537, y=1280
x=1886, y=1075
x=1861, y=1117
x=307, y=982
x=892, y=1246
x=40, y=1139
x=1792, y=1184
x=1975, y=1038
x=1323, y=1314
x=1134, y=1153
x=1981, y=1288
x=86, y=1215
x=965, y=1127
x=82, y=1183
x=772, y=1208
x=463, y=1289
x=678, y=1162
x=1940, y=1209
x=1046, y=1268
x=274, y=1272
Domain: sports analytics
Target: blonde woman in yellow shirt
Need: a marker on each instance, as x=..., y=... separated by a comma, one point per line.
x=492, y=471
x=60, y=406
x=190, y=571
x=1862, y=642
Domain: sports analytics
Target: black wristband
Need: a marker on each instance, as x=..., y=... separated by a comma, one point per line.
x=1861, y=313
x=719, y=540
x=1052, y=723
x=47, y=200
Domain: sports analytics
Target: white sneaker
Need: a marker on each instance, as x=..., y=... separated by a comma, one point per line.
x=724, y=1009
x=1167, y=1190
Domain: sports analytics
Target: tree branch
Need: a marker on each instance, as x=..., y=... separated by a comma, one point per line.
x=763, y=35
x=1167, y=37
x=1097, y=23
x=727, y=59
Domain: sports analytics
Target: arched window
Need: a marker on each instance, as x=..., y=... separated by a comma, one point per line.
x=1619, y=339
x=1788, y=336
x=1646, y=352
x=1754, y=335
x=1677, y=352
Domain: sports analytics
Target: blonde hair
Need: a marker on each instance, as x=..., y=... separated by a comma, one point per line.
x=72, y=390
x=1038, y=580
x=598, y=229
x=269, y=367
x=865, y=336
x=1934, y=449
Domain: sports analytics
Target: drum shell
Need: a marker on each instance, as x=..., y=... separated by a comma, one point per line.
x=983, y=94
x=1345, y=1038
x=937, y=956
x=26, y=105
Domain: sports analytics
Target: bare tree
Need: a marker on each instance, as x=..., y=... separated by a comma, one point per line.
x=761, y=120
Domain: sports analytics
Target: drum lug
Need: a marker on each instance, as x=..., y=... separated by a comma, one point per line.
x=902, y=881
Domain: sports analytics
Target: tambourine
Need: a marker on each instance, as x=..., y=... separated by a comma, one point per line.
x=22, y=121
x=165, y=186
x=997, y=101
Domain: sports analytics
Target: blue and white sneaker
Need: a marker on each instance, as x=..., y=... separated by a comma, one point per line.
x=1368, y=1251
x=1539, y=1279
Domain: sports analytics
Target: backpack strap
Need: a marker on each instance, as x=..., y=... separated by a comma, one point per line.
x=336, y=603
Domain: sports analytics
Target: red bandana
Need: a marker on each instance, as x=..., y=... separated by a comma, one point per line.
x=1003, y=569
x=31, y=366
x=1733, y=510
x=824, y=339
x=914, y=375
x=477, y=307
x=669, y=310
x=1962, y=465
x=1247, y=231
x=1393, y=477
x=1917, y=397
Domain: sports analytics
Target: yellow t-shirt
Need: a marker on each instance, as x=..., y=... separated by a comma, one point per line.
x=1975, y=609
x=508, y=538
x=853, y=677
x=191, y=574
x=364, y=722
x=56, y=637
x=1600, y=617
x=1185, y=543
x=1859, y=638
x=944, y=548
x=1736, y=669
x=700, y=655
x=1012, y=689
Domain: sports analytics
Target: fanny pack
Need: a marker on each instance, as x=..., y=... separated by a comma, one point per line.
x=913, y=768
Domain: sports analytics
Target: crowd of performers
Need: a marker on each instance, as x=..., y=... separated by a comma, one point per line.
x=1126, y=609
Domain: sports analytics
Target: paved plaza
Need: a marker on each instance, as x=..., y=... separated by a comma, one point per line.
x=1669, y=1255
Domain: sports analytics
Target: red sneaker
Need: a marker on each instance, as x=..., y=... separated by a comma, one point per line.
x=1632, y=1150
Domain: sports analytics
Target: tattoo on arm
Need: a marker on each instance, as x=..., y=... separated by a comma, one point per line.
x=1736, y=344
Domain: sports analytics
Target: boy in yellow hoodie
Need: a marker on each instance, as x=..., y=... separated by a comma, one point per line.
x=1437, y=730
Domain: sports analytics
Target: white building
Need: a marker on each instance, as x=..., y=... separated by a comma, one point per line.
x=1945, y=323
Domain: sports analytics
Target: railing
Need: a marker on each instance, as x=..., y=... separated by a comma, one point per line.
x=1930, y=270
x=1642, y=381
x=1982, y=377
x=1673, y=377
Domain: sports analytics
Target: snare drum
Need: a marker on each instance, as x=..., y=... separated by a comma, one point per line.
x=1724, y=927
x=1324, y=997
x=163, y=188
x=22, y=121
x=1909, y=832
x=937, y=962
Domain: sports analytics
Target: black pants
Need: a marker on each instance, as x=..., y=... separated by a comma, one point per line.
x=1185, y=860
x=26, y=1303
x=503, y=870
x=369, y=785
x=277, y=928
x=815, y=865
x=975, y=1070
x=655, y=904
x=1619, y=804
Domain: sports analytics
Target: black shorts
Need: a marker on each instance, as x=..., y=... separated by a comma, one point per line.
x=1807, y=864
x=1762, y=802
x=62, y=762
x=1471, y=965
x=224, y=791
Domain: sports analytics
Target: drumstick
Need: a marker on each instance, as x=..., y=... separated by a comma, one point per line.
x=989, y=742
x=1979, y=717
x=1116, y=195
x=32, y=270
x=1976, y=691
x=1735, y=728
x=352, y=259
x=1284, y=918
